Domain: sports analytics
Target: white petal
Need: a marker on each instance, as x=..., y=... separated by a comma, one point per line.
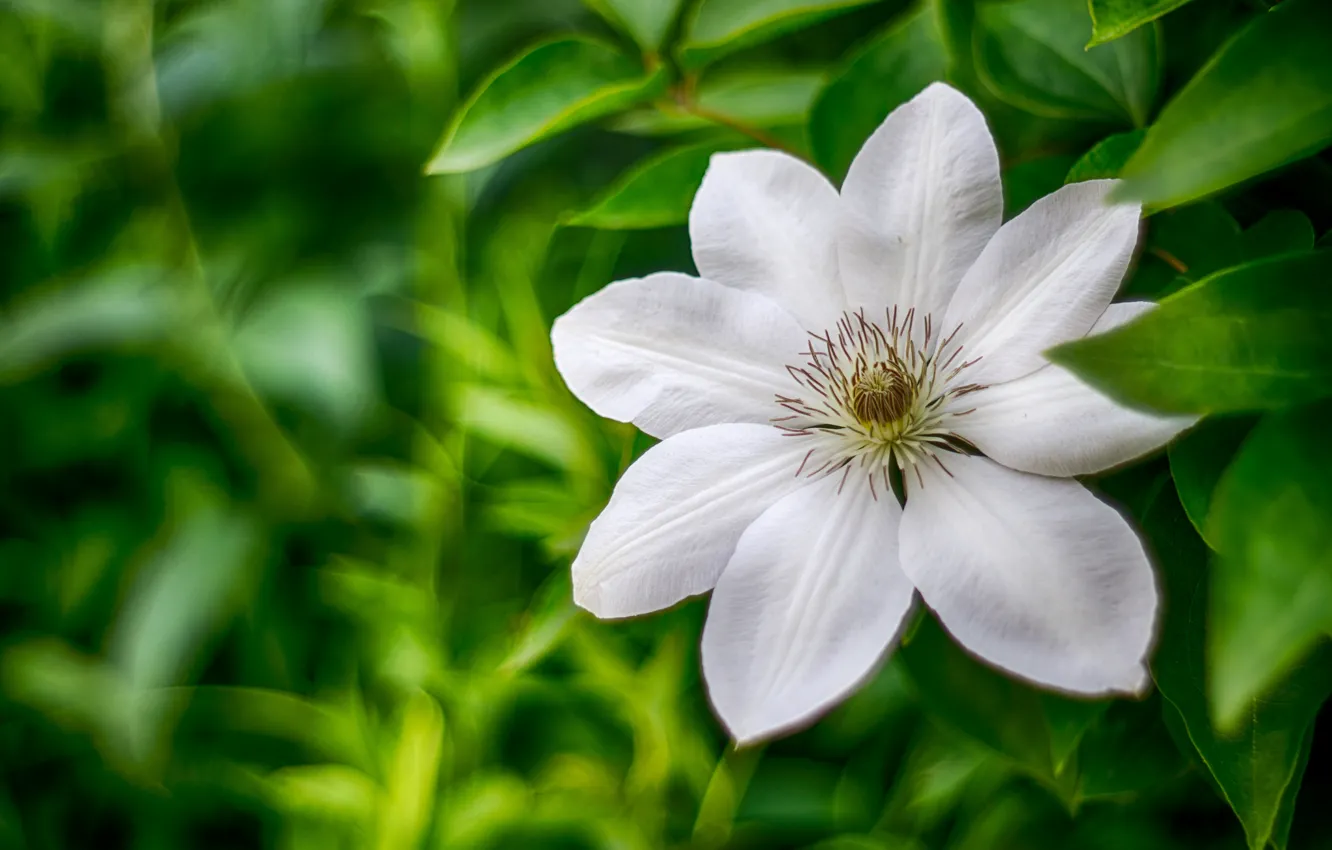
x=767, y=222
x=1033, y=574
x=674, y=518
x=808, y=604
x=671, y=352
x=1044, y=279
x=921, y=200
x=1052, y=423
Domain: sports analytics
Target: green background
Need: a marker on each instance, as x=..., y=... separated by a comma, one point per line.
x=289, y=486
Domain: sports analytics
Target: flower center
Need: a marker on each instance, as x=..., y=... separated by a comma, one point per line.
x=877, y=393
x=881, y=395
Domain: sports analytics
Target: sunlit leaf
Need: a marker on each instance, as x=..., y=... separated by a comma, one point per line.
x=1250, y=338
x=548, y=89
x=1107, y=158
x=1229, y=123
x=647, y=21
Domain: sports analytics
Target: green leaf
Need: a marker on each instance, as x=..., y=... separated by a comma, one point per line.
x=1032, y=54
x=646, y=21
x=1113, y=19
x=1199, y=458
x=1259, y=766
x=1249, y=338
x=1280, y=232
x=1272, y=585
x=719, y=27
x=1107, y=158
x=758, y=97
x=1231, y=123
x=655, y=193
x=548, y=89
x=1028, y=182
x=1183, y=246
x=890, y=70
x=1128, y=751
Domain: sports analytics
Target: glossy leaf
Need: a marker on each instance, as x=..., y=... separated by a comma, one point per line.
x=1249, y=338
x=1272, y=590
x=657, y=192
x=1257, y=766
x=1229, y=123
x=548, y=89
x=646, y=21
x=892, y=68
x=1033, y=54
x=718, y=27
x=1113, y=19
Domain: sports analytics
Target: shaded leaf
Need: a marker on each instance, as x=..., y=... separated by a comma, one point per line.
x=1033, y=54
x=1107, y=158
x=1198, y=459
x=718, y=27
x=1229, y=123
x=1113, y=19
x=657, y=192
x=762, y=98
x=891, y=69
x=1272, y=585
x=646, y=21
x=1258, y=767
x=1249, y=338
x=548, y=89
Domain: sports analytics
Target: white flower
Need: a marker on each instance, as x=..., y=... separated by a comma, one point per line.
x=829, y=338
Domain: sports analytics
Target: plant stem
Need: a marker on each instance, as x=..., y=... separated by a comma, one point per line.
x=684, y=99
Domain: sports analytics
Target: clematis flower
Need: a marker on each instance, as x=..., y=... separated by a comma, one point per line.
x=831, y=338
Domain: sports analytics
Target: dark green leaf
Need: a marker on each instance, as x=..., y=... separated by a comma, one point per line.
x=1231, y=123
x=646, y=21
x=548, y=89
x=1127, y=751
x=1185, y=245
x=1032, y=54
x=1280, y=232
x=1107, y=158
x=891, y=69
x=1027, y=182
x=655, y=193
x=1258, y=766
x=757, y=97
x=718, y=27
x=1199, y=458
x=1249, y=338
x=1272, y=585
x=1112, y=19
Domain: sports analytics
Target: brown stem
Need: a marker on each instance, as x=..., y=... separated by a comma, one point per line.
x=763, y=137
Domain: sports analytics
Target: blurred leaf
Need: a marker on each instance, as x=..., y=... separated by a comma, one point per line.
x=1029, y=181
x=125, y=307
x=1230, y=123
x=1107, y=158
x=529, y=427
x=474, y=813
x=892, y=68
x=311, y=344
x=410, y=782
x=1127, y=752
x=1068, y=720
x=646, y=21
x=1113, y=19
x=325, y=791
x=1199, y=457
x=761, y=98
x=548, y=89
x=1185, y=245
x=1249, y=338
x=544, y=625
x=1272, y=585
x=657, y=192
x=1260, y=764
x=718, y=27
x=1279, y=232
x=1032, y=54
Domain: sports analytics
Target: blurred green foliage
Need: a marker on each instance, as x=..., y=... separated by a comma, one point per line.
x=290, y=486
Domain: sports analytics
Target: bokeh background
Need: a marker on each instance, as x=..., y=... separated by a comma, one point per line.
x=289, y=486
